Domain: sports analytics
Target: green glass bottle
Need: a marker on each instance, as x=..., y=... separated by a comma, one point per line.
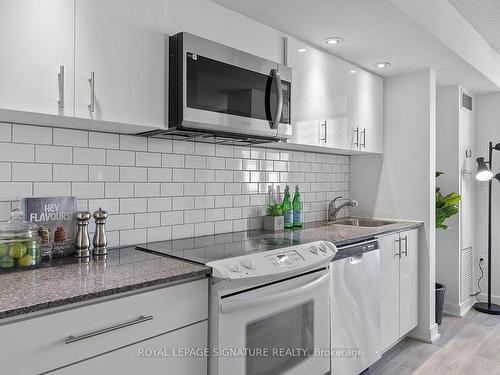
x=297, y=208
x=287, y=209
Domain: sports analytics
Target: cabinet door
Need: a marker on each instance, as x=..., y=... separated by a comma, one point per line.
x=389, y=290
x=408, y=282
x=140, y=358
x=122, y=42
x=36, y=38
x=370, y=95
x=323, y=89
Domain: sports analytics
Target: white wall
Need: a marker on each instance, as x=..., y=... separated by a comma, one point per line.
x=400, y=183
x=212, y=21
x=488, y=129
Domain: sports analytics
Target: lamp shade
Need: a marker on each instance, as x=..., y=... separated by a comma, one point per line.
x=483, y=171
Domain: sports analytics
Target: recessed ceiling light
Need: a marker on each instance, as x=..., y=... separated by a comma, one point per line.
x=333, y=40
x=383, y=64
x=302, y=50
x=353, y=71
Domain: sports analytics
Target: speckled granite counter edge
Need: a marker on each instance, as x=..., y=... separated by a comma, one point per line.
x=104, y=293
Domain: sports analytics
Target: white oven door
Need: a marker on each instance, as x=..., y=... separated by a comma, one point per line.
x=277, y=329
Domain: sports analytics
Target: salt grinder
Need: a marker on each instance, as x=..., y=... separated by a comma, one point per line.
x=82, y=243
x=100, y=241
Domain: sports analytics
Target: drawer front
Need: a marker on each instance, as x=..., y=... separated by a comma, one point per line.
x=41, y=344
x=151, y=356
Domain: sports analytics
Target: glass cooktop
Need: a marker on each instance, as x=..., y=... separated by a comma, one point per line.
x=220, y=246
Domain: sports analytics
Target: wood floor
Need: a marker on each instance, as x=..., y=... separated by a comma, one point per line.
x=468, y=345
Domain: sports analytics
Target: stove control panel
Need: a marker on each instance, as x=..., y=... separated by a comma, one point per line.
x=273, y=262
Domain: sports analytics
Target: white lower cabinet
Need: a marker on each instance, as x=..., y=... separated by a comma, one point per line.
x=399, y=285
x=108, y=329
x=170, y=353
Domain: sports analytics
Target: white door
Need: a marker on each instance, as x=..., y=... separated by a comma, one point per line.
x=408, y=282
x=323, y=89
x=36, y=38
x=370, y=95
x=157, y=356
x=389, y=289
x=122, y=43
x=287, y=321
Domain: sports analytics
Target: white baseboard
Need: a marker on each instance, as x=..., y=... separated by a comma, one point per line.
x=425, y=334
x=483, y=297
x=458, y=310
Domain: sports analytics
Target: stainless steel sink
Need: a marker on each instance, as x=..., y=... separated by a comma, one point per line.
x=362, y=222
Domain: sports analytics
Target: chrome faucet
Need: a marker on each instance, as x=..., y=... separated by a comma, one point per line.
x=333, y=210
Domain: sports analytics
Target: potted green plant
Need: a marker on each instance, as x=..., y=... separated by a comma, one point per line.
x=446, y=207
x=274, y=218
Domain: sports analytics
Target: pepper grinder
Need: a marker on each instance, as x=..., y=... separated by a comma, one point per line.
x=82, y=243
x=100, y=241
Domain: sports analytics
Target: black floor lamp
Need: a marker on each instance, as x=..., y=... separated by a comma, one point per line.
x=484, y=174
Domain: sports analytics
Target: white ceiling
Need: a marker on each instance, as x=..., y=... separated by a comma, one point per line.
x=484, y=16
x=373, y=30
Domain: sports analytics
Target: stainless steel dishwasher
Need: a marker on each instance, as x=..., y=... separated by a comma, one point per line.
x=355, y=308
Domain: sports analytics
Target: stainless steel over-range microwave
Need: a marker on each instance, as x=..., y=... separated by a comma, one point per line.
x=220, y=92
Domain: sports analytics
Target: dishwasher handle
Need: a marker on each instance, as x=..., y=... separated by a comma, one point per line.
x=242, y=303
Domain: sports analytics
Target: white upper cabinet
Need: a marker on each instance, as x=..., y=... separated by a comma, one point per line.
x=36, y=39
x=120, y=61
x=334, y=103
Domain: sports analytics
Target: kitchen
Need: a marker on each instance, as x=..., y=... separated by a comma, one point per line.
x=118, y=112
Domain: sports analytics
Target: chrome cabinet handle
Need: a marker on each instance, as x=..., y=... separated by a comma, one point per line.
x=356, y=132
x=60, y=81
x=363, y=133
x=405, y=239
x=92, y=92
x=398, y=241
x=138, y=320
x=322, y=131
x=279, y=107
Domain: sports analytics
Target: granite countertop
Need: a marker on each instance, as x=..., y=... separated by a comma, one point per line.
x=68, y=280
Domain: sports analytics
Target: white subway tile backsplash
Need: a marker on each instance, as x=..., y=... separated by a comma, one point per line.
x=31, y=134
x=16, y=152
x=104, y=140
x=103, y=173
x=5, y=133
x=133, y=205
x=147, y=159
x=116, y=157
x=133, y=174
x=119, y=190
x=88, y=189
x=129, y=142
x=157, y=189
x=70, y=172
x=53, y=154
x=5, y=172
x=52, y=189
x=147, y=189
x=147, y=220
x=159, y=145
x=69, y=137
x=172, y=218
x=31, y=172
x=14, y=190
x=172, y=160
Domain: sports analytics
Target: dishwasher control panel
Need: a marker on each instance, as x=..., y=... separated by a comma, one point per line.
x=273, y=262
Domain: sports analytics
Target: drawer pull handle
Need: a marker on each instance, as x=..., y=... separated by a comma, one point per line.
x=138, y=320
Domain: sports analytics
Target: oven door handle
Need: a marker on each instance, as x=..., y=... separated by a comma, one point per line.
x=242, y=303
x=279, y=106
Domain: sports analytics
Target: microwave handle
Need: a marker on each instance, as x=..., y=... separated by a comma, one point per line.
x=242, y=303
x=279, y=108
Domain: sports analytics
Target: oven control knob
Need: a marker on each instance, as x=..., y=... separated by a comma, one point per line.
x=323, y=247
x=235, y=267
x=248, y=263
x=313, y=249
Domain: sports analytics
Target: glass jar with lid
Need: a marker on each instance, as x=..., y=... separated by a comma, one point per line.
x=19, y=243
